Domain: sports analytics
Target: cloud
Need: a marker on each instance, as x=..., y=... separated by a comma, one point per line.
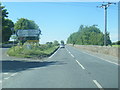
x=114, y=37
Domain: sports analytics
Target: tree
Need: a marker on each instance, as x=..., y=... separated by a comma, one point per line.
x=118, y=42
x=6, y=30
x=108, y=39
x=80, y=28
x=4, y=12
x=62, y=42
x=23, y=23
x=88, y=35
x=56, y=43
x=7, y=24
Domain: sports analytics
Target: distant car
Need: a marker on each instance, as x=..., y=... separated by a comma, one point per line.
x=62, y=46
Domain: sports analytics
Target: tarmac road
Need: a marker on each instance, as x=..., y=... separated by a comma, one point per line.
x=66, y=68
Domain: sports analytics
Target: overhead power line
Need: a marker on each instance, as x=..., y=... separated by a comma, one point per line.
x=105, y=6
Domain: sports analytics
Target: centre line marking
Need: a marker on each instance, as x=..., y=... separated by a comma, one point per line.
x=72, y=55
x=80, y=64
x=7, y=78
x=98, y=85
x=5, y=73
x=13, y=74
x=66, y=49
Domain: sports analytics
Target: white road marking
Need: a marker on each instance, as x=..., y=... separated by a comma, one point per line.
x=7, y=78
x=80, y=64
x=72, y=55
x=0, y=81
x=98, y=85
x=13, y=74
x=10, y=76
x=101, y=58
x=66, y=49
x=35, y=68
x=5, y=73
x=54, y=53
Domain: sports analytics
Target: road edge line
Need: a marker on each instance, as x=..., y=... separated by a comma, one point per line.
x=98, y=85
x=54, y=53
x=97, y=56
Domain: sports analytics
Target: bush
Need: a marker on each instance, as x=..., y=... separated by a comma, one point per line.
x=34, y=51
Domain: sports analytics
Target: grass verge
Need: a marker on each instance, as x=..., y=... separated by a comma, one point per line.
x=33, y=52
x=116, y=46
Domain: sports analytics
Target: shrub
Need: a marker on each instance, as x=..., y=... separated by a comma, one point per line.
x=35, y=51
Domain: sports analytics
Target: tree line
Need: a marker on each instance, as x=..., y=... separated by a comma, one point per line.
x=8, y=25
x=88, y=35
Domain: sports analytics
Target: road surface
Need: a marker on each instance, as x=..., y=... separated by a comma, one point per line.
x=66, y=68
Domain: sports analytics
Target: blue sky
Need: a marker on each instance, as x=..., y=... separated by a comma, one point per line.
x=58, y=20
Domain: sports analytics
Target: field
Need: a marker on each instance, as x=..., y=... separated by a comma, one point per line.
x=116, y=46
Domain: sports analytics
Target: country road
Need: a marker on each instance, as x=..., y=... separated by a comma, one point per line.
x=66, y=68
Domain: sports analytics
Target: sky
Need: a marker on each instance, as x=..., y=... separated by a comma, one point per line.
x=57, y=20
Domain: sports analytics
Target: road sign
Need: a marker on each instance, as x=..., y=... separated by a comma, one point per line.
x=28, y=33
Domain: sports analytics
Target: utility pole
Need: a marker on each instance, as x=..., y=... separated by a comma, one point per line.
x=105, y=6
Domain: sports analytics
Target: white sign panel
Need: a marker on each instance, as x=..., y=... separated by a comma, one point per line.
x=28, y=33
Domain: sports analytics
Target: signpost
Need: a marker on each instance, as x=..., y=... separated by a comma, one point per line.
x=28, y=33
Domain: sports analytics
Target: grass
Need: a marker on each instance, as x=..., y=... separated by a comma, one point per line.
x=34, y=52
x=116, y=46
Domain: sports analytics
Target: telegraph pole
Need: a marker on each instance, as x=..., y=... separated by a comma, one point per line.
x=105, y=6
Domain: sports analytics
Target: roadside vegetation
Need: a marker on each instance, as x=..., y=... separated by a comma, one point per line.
x=88, y=35
x=116, y=44
x=7, y=24
x=32, y=51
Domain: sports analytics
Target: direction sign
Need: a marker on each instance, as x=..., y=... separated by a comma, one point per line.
x=28, y=33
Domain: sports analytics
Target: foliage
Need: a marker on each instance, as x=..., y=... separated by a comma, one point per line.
x=56, y=43
x=62, y=42
x=7, y=24
x=6, y=30
x=4, y=12
x=23, y=23
x=116, y=43
x=35, y=51
x=88, y=36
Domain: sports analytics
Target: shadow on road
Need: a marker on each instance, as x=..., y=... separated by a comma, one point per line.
x=16, y=66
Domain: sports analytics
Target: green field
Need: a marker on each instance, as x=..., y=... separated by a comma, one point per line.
x=116, y=46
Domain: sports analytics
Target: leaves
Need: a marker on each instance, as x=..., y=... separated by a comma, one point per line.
x=88, y=36
x=6, y=29
x=7, y=24
x=23, y=23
